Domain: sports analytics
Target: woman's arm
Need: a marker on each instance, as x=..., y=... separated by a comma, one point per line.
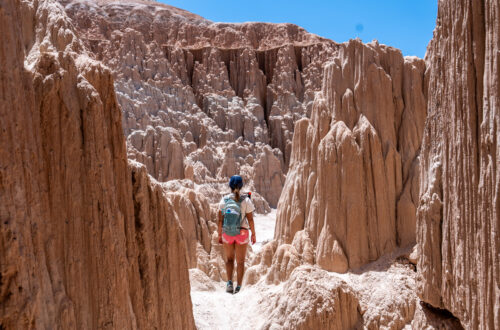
x=252, y=226
x=220, y=225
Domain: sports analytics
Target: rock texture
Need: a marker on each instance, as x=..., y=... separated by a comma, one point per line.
x=353, y=178
x=459, y=214
x=85, y=241
x=197, y=219
x=89, y=239
x=160, y=253
x=379, y=295
x=313, y=300
x=228, y=93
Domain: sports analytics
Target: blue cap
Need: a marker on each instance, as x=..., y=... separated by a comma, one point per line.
x=236, y=182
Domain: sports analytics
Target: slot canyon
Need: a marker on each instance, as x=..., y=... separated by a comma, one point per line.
x=375, y=176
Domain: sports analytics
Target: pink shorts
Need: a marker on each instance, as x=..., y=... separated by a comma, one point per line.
x=240, y=239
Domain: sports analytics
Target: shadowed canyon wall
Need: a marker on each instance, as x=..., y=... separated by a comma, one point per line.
x=353, y=177
x=459, y=214
x=86, y=241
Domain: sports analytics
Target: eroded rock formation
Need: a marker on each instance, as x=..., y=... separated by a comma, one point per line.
x=226, y=92
x=353, y=178
x=85, y=241
x=379, y=295
x=162, y=289
x=90, y=240
x=458, y=218
x=313, y=300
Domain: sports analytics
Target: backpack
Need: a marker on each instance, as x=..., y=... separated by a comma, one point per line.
x=232, y=216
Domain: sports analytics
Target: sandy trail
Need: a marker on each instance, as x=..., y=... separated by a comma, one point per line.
x=220, y=310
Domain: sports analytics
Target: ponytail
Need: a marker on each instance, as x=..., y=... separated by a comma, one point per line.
x=236, y=192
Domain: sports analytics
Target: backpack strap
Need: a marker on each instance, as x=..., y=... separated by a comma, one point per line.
x=226, y=198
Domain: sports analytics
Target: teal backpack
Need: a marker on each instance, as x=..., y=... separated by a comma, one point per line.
x=232, y=216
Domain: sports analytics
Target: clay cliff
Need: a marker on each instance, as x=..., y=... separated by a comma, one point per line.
x=353, y=178
x=86, y=240
x=204, y=100
x=459, y=214
x=380, y=152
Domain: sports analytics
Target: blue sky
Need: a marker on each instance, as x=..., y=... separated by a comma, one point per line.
x=405, y=24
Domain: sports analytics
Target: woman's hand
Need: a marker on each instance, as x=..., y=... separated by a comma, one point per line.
x=254, y=239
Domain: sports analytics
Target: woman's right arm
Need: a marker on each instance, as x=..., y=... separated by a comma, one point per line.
x=220, y=225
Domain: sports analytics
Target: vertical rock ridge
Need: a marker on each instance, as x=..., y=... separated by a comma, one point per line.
x=162, y=257
x=458, y=216
x=68, y=249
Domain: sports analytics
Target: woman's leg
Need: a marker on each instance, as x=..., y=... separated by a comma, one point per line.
x=241, y=251
x=229, y=252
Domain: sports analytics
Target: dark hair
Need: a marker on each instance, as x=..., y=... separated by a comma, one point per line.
x=236, y=183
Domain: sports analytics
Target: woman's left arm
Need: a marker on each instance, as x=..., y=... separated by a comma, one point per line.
x=252, y=226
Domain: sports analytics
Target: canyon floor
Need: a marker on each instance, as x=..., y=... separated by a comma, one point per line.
x=376, y=285
x=213, y=308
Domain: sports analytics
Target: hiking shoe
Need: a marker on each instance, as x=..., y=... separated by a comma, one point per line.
x=237, y=289
x=229, y=287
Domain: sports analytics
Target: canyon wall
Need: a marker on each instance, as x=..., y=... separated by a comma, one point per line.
x=204, y=100
x=353, y=177
x=89, y=239
x=459, y=214
x=86, y=241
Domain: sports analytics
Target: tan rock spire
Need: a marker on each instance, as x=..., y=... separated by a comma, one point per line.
x=352, y=163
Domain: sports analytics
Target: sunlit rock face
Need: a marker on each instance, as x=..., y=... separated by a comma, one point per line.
x=459, y=214
x=87, y=241
x=230, y=94
x=353, y=178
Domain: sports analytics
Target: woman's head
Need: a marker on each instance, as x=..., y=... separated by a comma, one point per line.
x=236, y=183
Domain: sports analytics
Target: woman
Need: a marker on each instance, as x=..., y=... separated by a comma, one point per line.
x=235, y=219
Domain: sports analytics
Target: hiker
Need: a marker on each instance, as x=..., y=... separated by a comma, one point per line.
x=235, y=219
